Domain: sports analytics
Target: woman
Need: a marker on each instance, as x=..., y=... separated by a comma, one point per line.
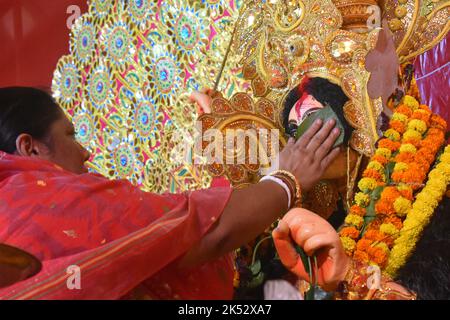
x=113, y=240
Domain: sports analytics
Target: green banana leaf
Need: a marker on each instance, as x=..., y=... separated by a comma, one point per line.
x=325, y=114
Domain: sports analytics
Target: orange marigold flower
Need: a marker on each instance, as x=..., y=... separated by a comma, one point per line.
x=425, y=108
x=389, y=144
x=407, y=194
x=385, y=207
x=420, y=115
x=396, y=221
x=413, y=141
x=433, y=144
x=350, y=232
x=372, y=173
x=374, y=235
x=438, y=122
x=404, y=109
x=435, y=131
x=382, y=160
x=378, y=255
x=357, y=210
x=390, y=194
x=426, y=154
x=406, y=157
x=363, y=244
x=397, y=126
x=361, y=256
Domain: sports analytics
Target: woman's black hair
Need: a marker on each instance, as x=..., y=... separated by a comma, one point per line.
x=25, y=110
x=323, y=91
x=427, y=270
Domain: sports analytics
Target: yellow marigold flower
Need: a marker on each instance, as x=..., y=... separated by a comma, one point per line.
x=412, y=134
x=445, y=157
x=348, y=243
x=375, y=165
x=367, y=184
x=362, y=199
x=404, y=187
x=435, y=174
x=389, y=229
x=435, y=185
x=354, y=220
x=401, y=166
x=402, y=206
x=411, y=102
x=424, y=200
x=384, y=152
x=442, y=172
x=418, y=125
x=399, y=117
x=392, y=134
x=408, y=147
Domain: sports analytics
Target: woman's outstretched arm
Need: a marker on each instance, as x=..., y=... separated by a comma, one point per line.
x=251, y=210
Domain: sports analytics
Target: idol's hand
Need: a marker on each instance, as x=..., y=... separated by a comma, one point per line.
x=203, y=100
x=317, y=237
x=309, y=157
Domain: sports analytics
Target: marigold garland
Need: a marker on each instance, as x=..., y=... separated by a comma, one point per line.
x=374, y=230
x=420, y=214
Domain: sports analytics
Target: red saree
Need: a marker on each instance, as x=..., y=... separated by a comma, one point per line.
x=124, y=241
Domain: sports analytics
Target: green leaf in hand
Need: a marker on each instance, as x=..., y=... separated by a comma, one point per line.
x=325, y=114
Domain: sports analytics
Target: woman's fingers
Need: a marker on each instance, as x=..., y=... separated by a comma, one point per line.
x=323, y=135
x=324, y=149
x=329, y=158
x=305, y=139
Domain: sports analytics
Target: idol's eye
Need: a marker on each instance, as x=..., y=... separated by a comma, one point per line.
x=309, y=112
x=292, y=128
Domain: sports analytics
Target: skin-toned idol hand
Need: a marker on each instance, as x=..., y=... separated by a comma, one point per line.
x=203, y=100
x=317, y=237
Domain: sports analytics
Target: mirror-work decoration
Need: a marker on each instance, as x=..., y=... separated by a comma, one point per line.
x=126, y=79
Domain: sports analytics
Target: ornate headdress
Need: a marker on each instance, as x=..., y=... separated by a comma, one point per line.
x=280, y=42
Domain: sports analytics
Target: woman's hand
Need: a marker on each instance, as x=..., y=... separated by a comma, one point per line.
x=309, y=157
x=203, y=100
x=317, y=237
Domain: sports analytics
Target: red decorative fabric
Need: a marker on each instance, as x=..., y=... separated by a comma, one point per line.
x=125, y=241
x=432, y=71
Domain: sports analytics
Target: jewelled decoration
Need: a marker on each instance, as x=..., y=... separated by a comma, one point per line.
x=84, y=128
x=100, y=9
x=141, y=12
x=118, y=45
x=189, y=27
x=125, y=84
x=124, y=160
x=148, y=122
x=66, y=81
x=100, y=87
x=144, y=119
x=83, y=42
x=165, y=75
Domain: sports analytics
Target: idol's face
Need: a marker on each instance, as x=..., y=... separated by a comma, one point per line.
x=302, y=109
